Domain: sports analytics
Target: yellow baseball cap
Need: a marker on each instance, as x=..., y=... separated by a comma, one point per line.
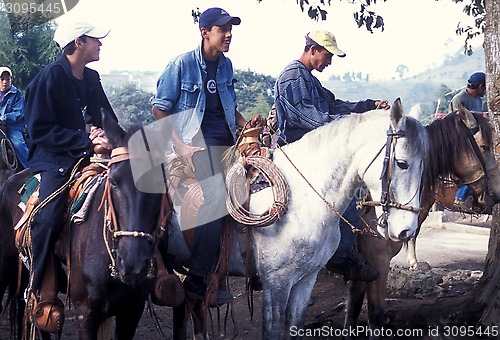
x=326, y=40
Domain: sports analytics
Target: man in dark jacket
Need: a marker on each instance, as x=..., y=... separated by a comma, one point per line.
x=303, y=104
x=62, y=102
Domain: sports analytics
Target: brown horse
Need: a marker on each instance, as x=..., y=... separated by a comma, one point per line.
x=461, y=146
x=111, y=264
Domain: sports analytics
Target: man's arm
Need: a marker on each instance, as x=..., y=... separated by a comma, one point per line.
x=294, y=100
x=240, y=121
x=183, y=150
x=17, y=109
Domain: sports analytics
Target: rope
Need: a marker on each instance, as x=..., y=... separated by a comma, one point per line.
x=278, y=184
x=5, y=147
x=329, y=205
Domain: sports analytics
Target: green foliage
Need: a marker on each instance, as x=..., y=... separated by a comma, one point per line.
x=27, y=51
x=131, y=105
x=476, y=9
x=371, y=20
x=254, y=93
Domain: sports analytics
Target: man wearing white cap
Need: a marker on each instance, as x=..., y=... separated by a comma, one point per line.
x=303, y=104
x=63, y=100
x=12, y=114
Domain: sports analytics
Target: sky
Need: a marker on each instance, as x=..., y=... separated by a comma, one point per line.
x=146, y=34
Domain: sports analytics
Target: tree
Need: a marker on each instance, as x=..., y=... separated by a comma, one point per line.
x=131, y=105
x=254, y=92
x=402, y=70
x=26, y=51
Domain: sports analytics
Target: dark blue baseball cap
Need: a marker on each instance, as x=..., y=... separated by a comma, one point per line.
x=476, y=79
x=216, y=16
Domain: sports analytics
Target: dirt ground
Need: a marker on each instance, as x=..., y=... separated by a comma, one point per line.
x=455, y=249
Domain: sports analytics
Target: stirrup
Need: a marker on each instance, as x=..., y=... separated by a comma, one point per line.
x=48, y=315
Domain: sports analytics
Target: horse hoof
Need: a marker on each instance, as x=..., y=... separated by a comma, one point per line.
x=48, y=315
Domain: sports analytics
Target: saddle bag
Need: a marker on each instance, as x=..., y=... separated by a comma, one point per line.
x=168, y=290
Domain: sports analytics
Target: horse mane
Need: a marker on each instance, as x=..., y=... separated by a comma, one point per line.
x=446, y=137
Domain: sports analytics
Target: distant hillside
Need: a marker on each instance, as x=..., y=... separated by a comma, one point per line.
x=422, y=90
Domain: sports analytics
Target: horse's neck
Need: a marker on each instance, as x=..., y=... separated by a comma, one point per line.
x=322, y=159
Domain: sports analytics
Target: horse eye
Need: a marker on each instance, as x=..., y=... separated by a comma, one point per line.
x=402, y=164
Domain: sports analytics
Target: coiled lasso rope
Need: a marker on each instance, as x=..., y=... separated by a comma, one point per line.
x=237, y=192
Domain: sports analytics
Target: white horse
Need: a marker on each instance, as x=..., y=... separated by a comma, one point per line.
x=329, y=163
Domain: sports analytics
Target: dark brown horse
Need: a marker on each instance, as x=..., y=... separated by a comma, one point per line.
x=111, y=263
x=461, y=146
x=9, y=165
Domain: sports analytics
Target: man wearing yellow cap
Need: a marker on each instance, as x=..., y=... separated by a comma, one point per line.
x=303, y=104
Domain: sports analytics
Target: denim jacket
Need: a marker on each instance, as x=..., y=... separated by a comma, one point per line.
x=303, y=104
x=180, y=91
x=12, y=108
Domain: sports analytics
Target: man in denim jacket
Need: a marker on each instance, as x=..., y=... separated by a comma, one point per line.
x=12, y=114
x=196, y=89
x=303, y=104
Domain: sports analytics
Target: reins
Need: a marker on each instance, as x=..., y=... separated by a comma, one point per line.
x=5, y=146
x=387, y=197
x=366, y=229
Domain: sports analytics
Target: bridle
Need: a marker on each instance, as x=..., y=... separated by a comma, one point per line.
x=387, y=199
x=111, y=224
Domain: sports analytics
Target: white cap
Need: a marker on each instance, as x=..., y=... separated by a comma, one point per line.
x=5, y=69
x=69, y=31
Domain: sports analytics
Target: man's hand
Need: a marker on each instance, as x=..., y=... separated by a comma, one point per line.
x=384, y=105
x=98, y=137
x=186, y=152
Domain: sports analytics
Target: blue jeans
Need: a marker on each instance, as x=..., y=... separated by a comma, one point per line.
x=463, y=192
x=47, y=223
x=347, y=236
x=17, y=139
x=208, y=232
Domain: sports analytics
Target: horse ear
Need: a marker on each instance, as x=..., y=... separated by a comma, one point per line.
x=396, y=113
x=113, y=131
x=466, y=117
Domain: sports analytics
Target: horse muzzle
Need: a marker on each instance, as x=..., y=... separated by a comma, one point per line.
x=136, y=271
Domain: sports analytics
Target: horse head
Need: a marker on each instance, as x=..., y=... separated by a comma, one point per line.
x=404, y=155
x=462, y=146
x=477, y=167
x=132, y=214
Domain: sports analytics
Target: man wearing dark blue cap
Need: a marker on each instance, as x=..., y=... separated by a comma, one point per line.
x=470, y=97
x=198, y=88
